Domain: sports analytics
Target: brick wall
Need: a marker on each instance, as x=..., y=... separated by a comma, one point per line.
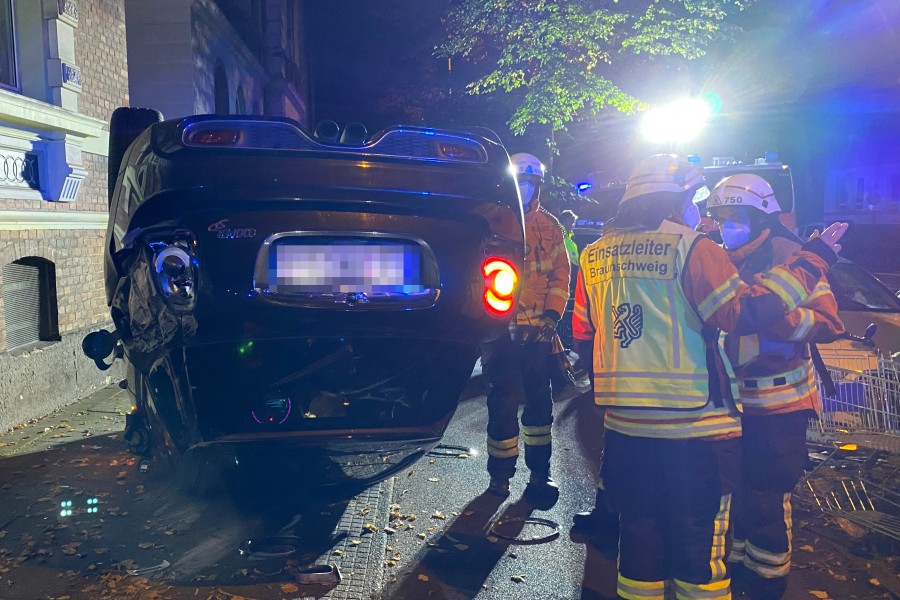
x=102, y=55
x=78, y=257
x=36, y=382
x=92, y=195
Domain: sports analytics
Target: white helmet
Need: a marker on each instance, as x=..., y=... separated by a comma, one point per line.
x=744, y=189
x=526, y=164
x=663, y=173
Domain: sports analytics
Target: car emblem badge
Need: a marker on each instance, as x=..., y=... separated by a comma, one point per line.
x=223, y=232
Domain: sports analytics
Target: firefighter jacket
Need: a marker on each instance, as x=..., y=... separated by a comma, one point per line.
x=654, y=302
x=545, y=284
x=773, y=367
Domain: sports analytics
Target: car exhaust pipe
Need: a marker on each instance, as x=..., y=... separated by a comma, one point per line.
x=354, y=134
x=327, y=132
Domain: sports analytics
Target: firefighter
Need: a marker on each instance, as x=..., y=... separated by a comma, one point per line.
x=562, y=371
x=652, y=295
x=776, y=383
x=516, y=366
x=567, y=220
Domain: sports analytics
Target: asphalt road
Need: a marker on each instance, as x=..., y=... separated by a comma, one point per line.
x=429, y=532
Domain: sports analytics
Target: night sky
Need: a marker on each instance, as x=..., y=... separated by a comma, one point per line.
x=373, y=62
x=366, y=55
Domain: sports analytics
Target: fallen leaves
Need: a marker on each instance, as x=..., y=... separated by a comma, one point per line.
x=71, y=548
x=850, y=528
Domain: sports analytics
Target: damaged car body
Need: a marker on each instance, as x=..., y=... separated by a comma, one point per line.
x=279, y=300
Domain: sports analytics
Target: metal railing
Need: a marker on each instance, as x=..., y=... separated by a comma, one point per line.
x=860, y=479
x=865, y=406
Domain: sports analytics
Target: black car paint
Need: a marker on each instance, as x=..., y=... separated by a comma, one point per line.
x=368, y=387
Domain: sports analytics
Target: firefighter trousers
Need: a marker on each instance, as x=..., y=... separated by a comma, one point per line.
x=517, y=371
x=674, y=500
x=773, y=459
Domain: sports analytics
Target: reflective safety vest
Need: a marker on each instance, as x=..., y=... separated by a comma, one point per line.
x=571, y=246
x=650, y=351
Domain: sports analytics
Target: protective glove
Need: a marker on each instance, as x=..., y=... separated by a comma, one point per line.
x=547, y=326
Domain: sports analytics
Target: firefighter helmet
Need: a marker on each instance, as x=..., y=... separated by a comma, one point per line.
x=663, y=173
x=526, y=164
x=744, y=190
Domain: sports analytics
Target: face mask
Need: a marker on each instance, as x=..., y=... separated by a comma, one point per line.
x=526, y=191
x=734, y=235
x=691, y=215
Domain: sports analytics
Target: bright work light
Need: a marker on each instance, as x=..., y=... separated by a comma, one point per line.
x=680, y=121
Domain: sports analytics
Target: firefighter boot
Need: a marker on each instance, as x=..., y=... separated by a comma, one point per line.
x=599, y=522
x=499, y=486
x=541, y=490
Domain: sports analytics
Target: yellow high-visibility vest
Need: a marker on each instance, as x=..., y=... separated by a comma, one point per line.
x=649, y=350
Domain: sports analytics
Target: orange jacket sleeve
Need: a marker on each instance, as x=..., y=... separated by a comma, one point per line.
x=582, y=328
x=712, y=284
x=816, y=321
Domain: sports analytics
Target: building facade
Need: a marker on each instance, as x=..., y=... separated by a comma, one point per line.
x=65, y=66
x=218, y=56
x=62, y=71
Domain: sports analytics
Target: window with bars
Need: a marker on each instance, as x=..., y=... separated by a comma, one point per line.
x=29, y=302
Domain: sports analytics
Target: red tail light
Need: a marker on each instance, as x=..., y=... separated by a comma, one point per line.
x=500, y=283
x=215, y=137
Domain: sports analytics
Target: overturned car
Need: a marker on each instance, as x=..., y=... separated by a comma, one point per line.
x=317, y=306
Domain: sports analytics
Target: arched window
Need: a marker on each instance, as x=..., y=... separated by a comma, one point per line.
x=240, y=105
x=220, y=91
x=29, y=301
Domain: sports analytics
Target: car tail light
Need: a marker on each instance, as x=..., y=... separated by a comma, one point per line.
x=215, y=137
x=500, y=284
x=461, y=152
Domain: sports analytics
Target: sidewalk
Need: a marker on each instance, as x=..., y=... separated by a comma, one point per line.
x=100, y=413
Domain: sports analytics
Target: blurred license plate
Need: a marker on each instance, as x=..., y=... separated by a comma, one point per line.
x=299, y=266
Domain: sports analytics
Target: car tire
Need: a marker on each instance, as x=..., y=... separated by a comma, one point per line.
x=125, y=125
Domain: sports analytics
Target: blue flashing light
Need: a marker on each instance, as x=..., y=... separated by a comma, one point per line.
x=694, y=159
x=584, y=186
